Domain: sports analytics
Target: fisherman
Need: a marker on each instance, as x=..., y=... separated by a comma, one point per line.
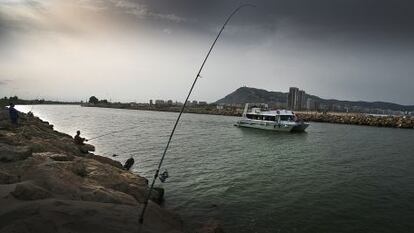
x=78, y=139
x=128, y=164
x=14, y=114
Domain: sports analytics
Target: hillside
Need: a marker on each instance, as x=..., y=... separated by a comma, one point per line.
x=253, y=95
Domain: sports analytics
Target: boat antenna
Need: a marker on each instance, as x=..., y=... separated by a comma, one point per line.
x=141, y=217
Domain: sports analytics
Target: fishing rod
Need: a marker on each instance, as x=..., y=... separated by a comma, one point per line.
x=141, y=218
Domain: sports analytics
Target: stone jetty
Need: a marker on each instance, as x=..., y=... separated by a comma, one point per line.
x=48, y=185
x=405, y=122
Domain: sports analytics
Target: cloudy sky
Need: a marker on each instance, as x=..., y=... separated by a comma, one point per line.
x=136, y=50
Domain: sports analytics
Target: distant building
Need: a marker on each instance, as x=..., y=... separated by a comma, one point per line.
x=310, y=104
x=296, y=99
x=292, y=97
x=150, y=102
x=159, y=102
x=195, y=102
x=202, y=103
x=170, y=102
x=323, y=107
x=301, y=100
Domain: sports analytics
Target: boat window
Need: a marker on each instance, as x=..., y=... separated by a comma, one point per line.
x=261, y=117
x=284, y=118
x=270, y=118
x=252, y=116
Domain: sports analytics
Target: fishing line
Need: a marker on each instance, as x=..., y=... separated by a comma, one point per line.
x=113, y=132
x=141, y=217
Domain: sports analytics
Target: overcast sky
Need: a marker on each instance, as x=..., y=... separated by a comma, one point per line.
x=136, y=50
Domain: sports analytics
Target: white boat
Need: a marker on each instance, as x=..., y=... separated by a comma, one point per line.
x=276, y=120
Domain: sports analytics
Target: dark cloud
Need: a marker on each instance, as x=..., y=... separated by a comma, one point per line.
x=317, y=18
x=348, y=49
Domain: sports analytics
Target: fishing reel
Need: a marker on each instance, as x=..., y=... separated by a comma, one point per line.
x=163, y=176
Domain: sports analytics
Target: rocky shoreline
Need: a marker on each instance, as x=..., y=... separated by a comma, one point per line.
x=404, y=122
x=48, y=185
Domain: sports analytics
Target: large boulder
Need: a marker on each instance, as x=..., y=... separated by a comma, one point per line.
x=52, y=215
x=56, y=156
x=6, y=178
x=104, y=195
x=86, y=148
x=29, y=191
x=10, y=153
x=105, y=160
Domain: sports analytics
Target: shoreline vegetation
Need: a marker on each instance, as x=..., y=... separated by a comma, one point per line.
x=405, y=122
x=48, y=185
x=5, y=101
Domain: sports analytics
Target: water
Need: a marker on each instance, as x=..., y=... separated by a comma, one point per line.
x=335, y=178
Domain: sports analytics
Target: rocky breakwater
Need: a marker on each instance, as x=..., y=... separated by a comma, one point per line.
x=360, y=119
x=48, y=185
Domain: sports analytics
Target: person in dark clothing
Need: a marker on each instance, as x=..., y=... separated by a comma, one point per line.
x=128, y=164
x=14, y=114
x=78, y=139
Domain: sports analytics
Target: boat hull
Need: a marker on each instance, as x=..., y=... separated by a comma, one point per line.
x=273, y=126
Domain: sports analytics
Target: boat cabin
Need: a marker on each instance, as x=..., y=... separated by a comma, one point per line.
x=274, y=115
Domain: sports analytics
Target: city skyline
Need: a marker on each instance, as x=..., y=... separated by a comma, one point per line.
x=138, y=50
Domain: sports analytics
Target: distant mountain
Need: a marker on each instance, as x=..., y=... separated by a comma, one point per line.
x=253, y=95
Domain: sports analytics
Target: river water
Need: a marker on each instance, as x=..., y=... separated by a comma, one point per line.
x=334, y=178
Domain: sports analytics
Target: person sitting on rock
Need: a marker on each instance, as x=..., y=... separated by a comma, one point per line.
x=14, y=114
x=78, y=139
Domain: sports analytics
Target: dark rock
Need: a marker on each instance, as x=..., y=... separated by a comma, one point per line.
x=86, y=148
x=56, y=156
x=30, y=191
x=105, y=160
x=79, y=169
x=6, y=178
x=68, y=216
x=100, y=194
x=10, y=153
